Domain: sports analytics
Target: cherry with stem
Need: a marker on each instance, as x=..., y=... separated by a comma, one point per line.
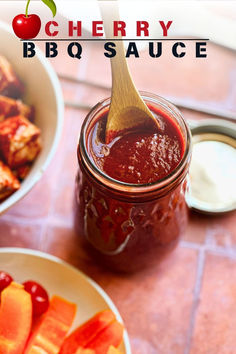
x=27, y=26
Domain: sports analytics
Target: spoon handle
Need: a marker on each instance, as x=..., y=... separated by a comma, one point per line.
x=127, y=110
x=120, y=70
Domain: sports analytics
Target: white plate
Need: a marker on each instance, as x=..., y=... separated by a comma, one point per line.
x=61, y=279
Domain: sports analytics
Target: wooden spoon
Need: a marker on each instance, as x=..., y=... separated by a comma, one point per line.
x=127, y=109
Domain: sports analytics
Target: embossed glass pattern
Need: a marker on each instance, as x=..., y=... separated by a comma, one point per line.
x=125, y=226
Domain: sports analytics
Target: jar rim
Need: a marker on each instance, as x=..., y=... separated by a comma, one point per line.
x=131, y=188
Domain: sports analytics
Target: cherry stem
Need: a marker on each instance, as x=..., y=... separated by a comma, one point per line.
x=26, y=10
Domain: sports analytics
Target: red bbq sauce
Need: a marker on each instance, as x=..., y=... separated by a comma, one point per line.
x=139, y=157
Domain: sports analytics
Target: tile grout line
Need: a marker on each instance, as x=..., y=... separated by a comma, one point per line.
x=24, y=221
x=216, y=250
x=57, y=222
x=192, y=245
x=196, y=293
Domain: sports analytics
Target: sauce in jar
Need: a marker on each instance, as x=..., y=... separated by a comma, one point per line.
x=138, y=157
x=130, y=193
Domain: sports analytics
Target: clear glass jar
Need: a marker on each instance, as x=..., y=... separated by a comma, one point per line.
x=129, y=226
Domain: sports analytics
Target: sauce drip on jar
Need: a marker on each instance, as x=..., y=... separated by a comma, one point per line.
x=138, y=157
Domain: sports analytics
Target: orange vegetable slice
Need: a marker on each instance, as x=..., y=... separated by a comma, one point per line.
x=51, y=331
x=113, y=350
x=15, y=319
x=85, y=351
x=110, y=336
x=86, y=332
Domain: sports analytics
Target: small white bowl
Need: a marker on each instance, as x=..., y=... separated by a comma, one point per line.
x=43, y=91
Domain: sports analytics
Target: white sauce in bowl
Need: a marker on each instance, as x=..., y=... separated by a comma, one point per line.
x=213, y=175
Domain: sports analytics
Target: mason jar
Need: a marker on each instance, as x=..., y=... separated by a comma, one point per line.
x=129, y=226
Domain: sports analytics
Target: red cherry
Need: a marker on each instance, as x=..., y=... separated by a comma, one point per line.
x=26, y=27
x=5, y=280
x=39, y=297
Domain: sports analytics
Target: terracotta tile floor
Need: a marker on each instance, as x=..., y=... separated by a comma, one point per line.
x=215, y=315
x=187, y=304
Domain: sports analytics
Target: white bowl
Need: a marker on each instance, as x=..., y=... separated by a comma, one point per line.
x=43, y=91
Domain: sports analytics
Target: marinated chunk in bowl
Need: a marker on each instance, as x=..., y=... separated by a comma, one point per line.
x=20, y=139
x=10, y=85
x=8, y=182
x=9, y=107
